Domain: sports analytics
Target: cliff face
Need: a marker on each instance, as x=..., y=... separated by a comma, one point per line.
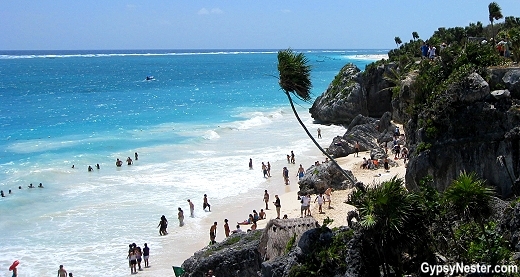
x=476, y=127
x=475, y=131
x=354, y=93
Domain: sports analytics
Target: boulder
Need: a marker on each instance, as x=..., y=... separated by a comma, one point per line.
x=237, y=256
x=501, y=94
x=512, y=82
x=318, y=178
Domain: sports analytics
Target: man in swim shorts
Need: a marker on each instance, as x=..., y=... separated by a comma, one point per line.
x=146, y=254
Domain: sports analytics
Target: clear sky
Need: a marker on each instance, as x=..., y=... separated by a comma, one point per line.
x=230, y=24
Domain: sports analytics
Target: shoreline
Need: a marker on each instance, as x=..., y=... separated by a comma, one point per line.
x=237, y=211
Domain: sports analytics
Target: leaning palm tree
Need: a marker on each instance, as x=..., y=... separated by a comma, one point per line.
x=295, y=78
x=495, y=13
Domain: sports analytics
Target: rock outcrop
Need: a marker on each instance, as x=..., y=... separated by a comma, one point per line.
x=474, y=131
x=320, y=177
x=354, y=93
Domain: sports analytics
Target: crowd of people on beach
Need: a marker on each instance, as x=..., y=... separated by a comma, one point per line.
x=136, y=255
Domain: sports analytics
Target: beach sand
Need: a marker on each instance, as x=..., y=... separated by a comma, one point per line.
x=237, y=211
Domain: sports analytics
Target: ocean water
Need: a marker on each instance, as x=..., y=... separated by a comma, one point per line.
x=194, y=126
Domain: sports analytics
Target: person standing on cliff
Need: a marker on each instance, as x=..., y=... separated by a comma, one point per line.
x=278, y=206
x=266, y=199
x=226, y=227
x=213, y=233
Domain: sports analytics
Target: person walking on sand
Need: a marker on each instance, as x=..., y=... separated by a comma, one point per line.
x=301, y=172
x=278, y=206
x=163, y=224
x=286, y=175
x=139, y=256
x=268, y=169
x=328, y=195
x=266, y=199
x=213, y=233
x=319, y=133
x=192, y=208
x=180, y=216
x=146, y=255
x=205, y=203
x=62, y=272
x=226, y=227
x=320, y=200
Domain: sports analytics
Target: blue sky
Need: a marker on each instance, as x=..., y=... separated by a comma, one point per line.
x=230, y=24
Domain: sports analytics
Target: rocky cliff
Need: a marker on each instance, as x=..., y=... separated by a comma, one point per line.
x=474, y=125
x=354, y=93
x=477, y=129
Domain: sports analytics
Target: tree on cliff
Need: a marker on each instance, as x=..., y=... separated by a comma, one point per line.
x=495, y=13
x=398, y=41
x=415, y=35
x=295, y=78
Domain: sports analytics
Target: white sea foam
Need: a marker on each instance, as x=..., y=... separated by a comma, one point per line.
x=367, y=57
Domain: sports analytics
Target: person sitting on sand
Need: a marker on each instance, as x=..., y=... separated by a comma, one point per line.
x=238, y=230
x=247, y=221
x=261, y=214
x=285, y=216
x=256, y=217
x=364, y=164
x=253, y=227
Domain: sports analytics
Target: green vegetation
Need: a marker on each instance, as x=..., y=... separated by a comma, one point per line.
x=290, y=244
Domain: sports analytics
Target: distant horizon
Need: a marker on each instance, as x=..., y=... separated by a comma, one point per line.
x=231, y=24
x=199, y=49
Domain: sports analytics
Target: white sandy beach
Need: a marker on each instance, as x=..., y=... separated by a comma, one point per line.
x=236, y=211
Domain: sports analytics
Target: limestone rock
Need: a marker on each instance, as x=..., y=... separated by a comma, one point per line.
x=318, y=178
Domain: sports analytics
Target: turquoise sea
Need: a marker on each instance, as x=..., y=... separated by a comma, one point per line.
x=194, y=126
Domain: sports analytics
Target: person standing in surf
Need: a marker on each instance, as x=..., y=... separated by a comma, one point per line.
x=250, y=164
x=192, y=208
x=286, y=175
x=180, y=216
x=205, y=203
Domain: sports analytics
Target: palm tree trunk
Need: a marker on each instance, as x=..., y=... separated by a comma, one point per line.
x=316, y=143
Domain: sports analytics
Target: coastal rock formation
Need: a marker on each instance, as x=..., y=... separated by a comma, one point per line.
x=368, y=132
x=237, y=256
x=474, y=132
x=354, y=93
x=256, y=253
x=318, y=178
